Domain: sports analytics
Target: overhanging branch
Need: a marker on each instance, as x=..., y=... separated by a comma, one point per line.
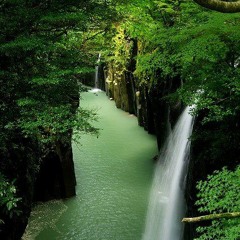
x=220, y=6
x=212, y=217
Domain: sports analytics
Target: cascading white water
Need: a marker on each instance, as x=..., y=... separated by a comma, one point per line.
x=96, y=79
x=96, y=71
x=166, y=204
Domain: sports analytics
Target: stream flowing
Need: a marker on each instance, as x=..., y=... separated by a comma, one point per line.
x=113, y=172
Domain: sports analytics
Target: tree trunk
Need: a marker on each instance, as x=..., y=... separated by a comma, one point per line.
x=220, y=6
x=212, y=217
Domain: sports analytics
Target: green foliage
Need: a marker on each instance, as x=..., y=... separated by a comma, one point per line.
x=209, y=63
x=220, y=193
x=180, y=40
x=8, y=198
x=121, y=50
x=46, y=49
x=45, y=52
x=51, y=124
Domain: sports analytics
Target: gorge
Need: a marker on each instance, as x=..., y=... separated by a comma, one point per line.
x=87, y=174
x=113, y=174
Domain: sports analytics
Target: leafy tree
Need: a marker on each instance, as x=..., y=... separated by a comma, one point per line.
x=46, y=49
x=218, y=194
x=42, y=63
x=202, y=50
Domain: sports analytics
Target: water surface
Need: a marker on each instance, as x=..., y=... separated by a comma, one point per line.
x=114, y=173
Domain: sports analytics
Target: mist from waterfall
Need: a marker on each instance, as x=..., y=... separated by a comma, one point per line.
x=166, y=203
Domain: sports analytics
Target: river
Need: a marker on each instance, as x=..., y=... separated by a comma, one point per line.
x=114, y=174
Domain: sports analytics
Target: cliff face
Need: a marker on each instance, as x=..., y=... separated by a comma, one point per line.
x=155, y=113
x=40, y=172
x=39, y=175
x=56, y=178
x=138, y=96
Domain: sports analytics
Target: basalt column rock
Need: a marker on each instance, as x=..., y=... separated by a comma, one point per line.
x=144, y=96
x=120, y=87
x=144, y=110
x=155, y=113
x=120, y=82
x=56, y=178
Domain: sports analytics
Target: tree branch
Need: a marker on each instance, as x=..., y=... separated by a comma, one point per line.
x=91, y=37
x=220, y=6
x=212, y=217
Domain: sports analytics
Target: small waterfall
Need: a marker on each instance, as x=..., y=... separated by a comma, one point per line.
x=96, y=85
x=166, y=204
x=96, y=89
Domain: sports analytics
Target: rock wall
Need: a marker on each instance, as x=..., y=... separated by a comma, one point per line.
x=120, y=87
x=146, y=98
x=56, y=178
x=146, y=101
x=40, y=172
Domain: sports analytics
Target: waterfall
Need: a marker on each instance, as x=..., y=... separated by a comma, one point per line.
x=96, y=85
x=96, y=89
x=166, y=204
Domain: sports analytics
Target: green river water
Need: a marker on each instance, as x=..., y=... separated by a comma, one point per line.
x=113, y=172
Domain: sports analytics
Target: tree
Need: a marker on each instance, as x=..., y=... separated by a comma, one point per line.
x=42, y=63
x=182, y=43
x=218, y=194
x=46, y=49
x=220, y=6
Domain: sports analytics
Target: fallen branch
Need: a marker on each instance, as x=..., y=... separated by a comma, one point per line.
x=212, y=217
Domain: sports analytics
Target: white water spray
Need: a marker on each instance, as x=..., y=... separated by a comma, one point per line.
x=166, y=204
x=96, y=79
x=96, y=72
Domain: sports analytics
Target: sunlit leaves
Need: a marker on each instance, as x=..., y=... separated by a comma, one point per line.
x=200, y=48
x=220, y=193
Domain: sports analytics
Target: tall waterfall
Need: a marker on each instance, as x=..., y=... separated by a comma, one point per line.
x=166, y=204
x=96, y=85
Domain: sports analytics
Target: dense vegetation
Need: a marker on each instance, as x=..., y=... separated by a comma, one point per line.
x=214, y=198
x=181, y=42
x=49, y=47
x=45, y=51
